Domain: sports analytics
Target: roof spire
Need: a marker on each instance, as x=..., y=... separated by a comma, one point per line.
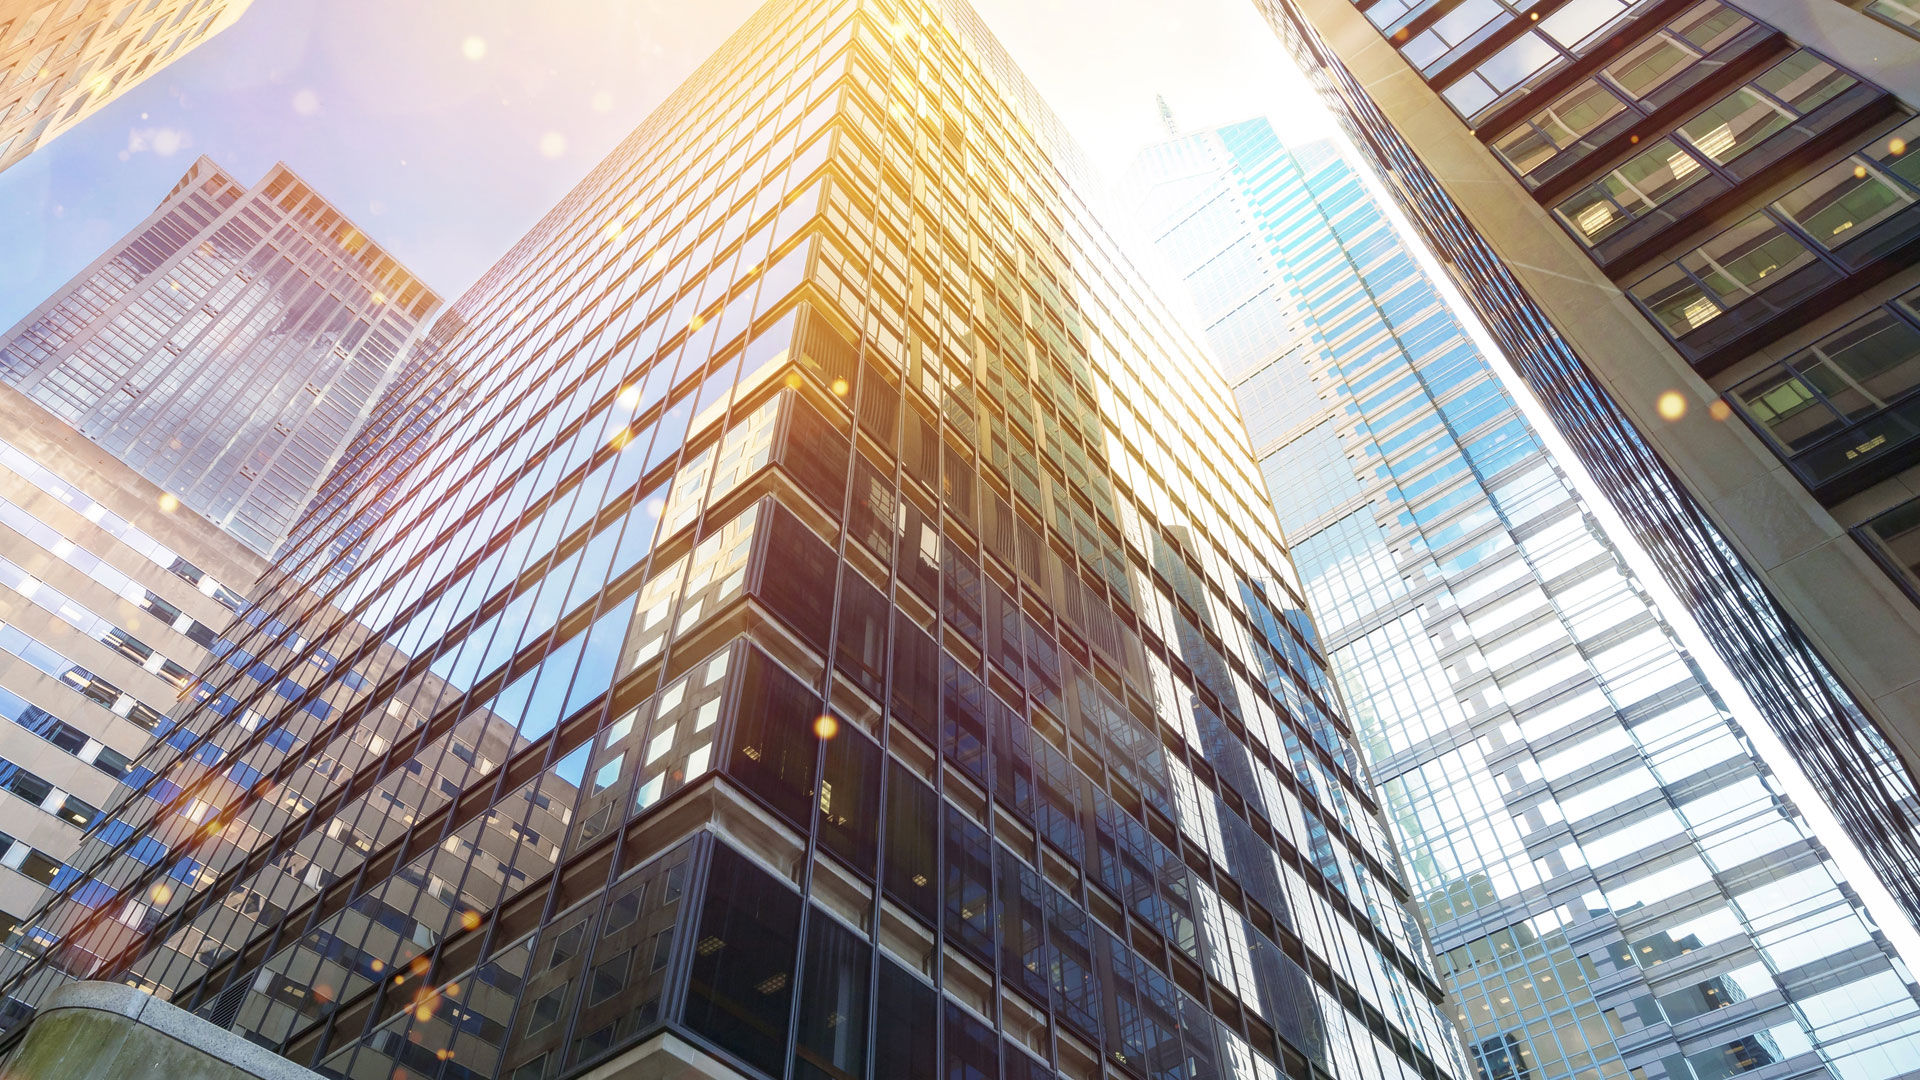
x=1166, y=115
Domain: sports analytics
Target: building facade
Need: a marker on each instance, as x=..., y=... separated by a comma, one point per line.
x=228, y=348
x=63, y=60
x=110, y=603
x=911, y=686
x=1608, y=873
x=1691, y=227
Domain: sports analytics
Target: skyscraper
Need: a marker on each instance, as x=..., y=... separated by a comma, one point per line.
x=1608, y=872
x=228, y=348
x=110, y=602
x=912, y=685
x=1691, y=227
x=62, y=60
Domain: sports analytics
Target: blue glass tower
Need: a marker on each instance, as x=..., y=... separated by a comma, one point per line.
x=1612, y=880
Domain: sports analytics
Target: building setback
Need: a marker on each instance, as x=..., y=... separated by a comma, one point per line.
x=63, y=60
x=1692, y=228
x=1608, y=873
x=110, y=604
x=228, y=348
x=891, y=625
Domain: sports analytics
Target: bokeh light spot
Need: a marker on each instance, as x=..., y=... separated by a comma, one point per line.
x=474, y=47
x=1672, y=405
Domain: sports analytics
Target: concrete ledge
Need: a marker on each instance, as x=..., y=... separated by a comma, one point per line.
x=106, y=1031
x=666, y=1056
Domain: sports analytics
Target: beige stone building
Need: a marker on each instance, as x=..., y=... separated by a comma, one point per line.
x=111, y=595
x=61, y=60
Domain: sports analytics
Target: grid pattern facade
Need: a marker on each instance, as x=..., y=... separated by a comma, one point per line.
x=62, y=60
x=1820, y=720
x=228, y=348
x=1612, y=881
x=899, y=681
x=103, y=626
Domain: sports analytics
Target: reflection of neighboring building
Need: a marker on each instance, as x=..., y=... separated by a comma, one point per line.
x=903, y=683
x=61, y=61
x=1600, y=858
x=227, y=348
x=110, y=606
x=1693, y=228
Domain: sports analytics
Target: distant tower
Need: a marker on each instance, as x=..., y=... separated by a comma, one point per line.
x=227, y=348
x=1166, y=115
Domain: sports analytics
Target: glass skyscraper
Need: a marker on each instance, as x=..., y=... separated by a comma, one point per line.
x=1694, y=229
x=228, y=348
x=1612, y=879
x=887, y=659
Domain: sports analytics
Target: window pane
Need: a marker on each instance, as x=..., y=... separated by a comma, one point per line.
x=773, y=739
x=1559, y=125
x=972, y=1048
x=1803, y=81
x=1843, y=202
x=1787, y=407
x=1630, y=191
x=1648, y=65
x=850, y=800
x=832, y=1040
x=903, y=1026
x=740, y=988
x=1734, y=124
x=1676, y=300
x=1746, y=259
x=912, y=832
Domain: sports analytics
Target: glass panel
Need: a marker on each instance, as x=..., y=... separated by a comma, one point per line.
x=1734, y=124
x=740, y=988
x=832, y=1040
x=1558, y=126
x=1710, y=25
x=1676, y=300
x=1787, y=407
x=912, y=863
x=1896, y=534
x=1890, y=152
x=1843, y=202
x=1636, y=187
x=1650, y=64
x=1746, y=259
x=1861, y=368
x=1804, y=81
x=904, y=1044
x=1901, y=13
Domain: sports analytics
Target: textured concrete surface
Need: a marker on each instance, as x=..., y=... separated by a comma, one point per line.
x=106, y=1031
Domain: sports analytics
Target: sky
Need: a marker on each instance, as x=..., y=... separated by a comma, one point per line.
x=445, y=128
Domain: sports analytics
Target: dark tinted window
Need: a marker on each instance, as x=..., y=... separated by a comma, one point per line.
x=815, y=455
x=740, y=987
x=870, y=518
x=912, y=824
x=969, y=887
x=850, y=799
x=904, y=1026
x=916, y=678
x=832, y=1041
x=973, y=1052
x=796, y=581
x=961, y=600
x=773, y=739
x=861, y=653
x=963, y=720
